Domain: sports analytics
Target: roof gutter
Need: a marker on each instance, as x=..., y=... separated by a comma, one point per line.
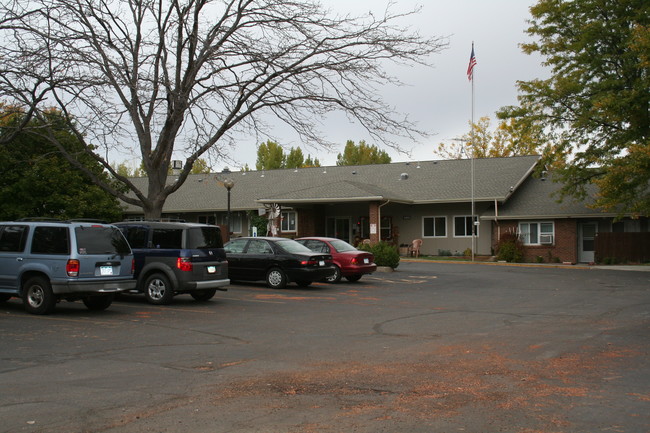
x=546, y=217
x=321, y=200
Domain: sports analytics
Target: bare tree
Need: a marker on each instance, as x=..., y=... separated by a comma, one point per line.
x=189, y=75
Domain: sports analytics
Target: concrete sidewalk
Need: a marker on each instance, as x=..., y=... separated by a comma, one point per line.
x=639, y=268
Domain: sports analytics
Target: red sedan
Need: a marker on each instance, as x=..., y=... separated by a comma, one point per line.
x=350, y=262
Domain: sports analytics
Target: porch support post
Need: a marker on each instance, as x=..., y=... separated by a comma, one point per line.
x=373, y=212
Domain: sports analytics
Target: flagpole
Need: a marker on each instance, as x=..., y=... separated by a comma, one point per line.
x=472, y=157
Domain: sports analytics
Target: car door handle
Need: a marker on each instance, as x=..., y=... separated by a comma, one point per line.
x=19, y=259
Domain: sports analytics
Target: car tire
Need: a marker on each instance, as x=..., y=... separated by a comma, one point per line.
x=303, y=283
x=4, y=297
x=276, y=278
x=158, y=290
x=353, y=278
x=203, y=295
x=335, y=277
x=98, y=302
x=38, y=296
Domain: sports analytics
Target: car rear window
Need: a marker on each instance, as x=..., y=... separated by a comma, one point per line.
x=204, y=238
x=342, y=246
x=292, y=246
x=101, y=240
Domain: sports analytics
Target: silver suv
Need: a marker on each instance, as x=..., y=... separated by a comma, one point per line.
x=44, y=262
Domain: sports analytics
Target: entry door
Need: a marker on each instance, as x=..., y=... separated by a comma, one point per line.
x=339, y=227
x=587, y=242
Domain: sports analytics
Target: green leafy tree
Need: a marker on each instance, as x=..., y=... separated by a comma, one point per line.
x=295, y=159
x=311, y=162
x=270, y=156
x=595, y=104
x=361, y=154
x=193, y=75
x=513, y=136
x=201, y=167
x=37, y=181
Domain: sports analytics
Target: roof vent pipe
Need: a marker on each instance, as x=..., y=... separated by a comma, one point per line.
x=404, y=176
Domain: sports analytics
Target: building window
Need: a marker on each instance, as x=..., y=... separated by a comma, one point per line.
x=434, y=227
x=289, y=221
x=386, y=228
x=463, y=226
x=222, y=219
x=537, y=233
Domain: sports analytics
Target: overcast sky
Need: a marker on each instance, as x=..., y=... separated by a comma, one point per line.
x=439, y=98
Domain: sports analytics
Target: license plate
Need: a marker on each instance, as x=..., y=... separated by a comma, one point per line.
x=212, y=269
x=105, y=270
x=321, y=263
x=366, y=261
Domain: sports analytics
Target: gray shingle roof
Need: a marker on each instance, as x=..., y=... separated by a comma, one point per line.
x=540, y=199
x=414, y=183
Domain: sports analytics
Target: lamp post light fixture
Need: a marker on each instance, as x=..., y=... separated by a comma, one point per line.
x=229, y=184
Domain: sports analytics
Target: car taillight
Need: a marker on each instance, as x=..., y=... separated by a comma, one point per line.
x=184, y=264
x=308, y=262
x=72, y=268
x=354, y=261
x=132, y=266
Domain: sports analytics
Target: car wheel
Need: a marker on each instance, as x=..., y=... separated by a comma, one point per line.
x=38, y=296
x=158, y=290
x=4, y=297
x=303, y=283
x=335, y=277
x=276, y=279
x=353, y=278
x=98, y=302
x=203, y=295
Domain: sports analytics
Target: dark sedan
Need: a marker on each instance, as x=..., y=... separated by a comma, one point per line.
x=278, y=261
x=350, y=262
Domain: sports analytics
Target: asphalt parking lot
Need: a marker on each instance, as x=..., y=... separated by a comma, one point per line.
x=429, y=348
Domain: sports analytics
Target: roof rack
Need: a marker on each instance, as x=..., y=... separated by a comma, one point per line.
x=88, y=220
x=40, y=219
x=156, y=220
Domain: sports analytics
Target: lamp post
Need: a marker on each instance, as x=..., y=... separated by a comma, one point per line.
x=228, y=183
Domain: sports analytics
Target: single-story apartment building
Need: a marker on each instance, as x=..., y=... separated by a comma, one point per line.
x=399, y=202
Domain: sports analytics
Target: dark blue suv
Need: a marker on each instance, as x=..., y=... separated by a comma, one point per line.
x=176, y=257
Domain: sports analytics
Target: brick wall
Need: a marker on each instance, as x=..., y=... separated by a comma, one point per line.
x=564, y=249
x=373, y=210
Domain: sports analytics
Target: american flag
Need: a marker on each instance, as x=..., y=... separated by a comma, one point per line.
x=472, y=63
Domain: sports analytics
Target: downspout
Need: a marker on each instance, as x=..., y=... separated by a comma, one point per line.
x=496, y=219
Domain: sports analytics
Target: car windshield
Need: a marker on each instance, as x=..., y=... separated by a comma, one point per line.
x=342, y=246
x=101, y=240
x=204, y=238
x=291, y=246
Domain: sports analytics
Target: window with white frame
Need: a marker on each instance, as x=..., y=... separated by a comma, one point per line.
x=537, y=233
x=289, y=221
x=463, y=226
x=434, y=227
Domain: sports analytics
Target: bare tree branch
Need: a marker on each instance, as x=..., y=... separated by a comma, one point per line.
x=188, y=75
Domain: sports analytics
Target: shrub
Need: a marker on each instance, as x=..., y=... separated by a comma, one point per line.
x=385, y=254
x=444, y=252
x=467, y=252
x=510, y=248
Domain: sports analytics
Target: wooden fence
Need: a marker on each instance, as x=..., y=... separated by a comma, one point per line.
x=622, y=247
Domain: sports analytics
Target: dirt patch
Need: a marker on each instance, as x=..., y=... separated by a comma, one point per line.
x=451, y=382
